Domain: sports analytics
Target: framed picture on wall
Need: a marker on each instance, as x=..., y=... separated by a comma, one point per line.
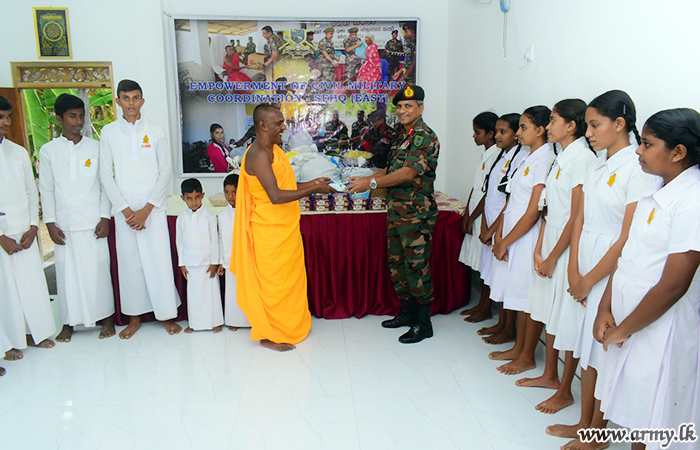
x=52, y=33
x=323, y=74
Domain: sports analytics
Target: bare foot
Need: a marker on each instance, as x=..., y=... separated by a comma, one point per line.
x=564, y=431
x=479, y=316
x=65, y=334
x=218, y=329
x=274, y=346
x=578, y=445
x=490, y=330
x=46, y=343
x=233, y=328
x=2, y=371
x=505, y=355
x=515, y=367
x=471, y=310
x=131, y=329
x=543, y=382
x=107, y=330
x=171, y=327
x=500, y=338
x=189, y=330
x=556, y=402
x=14, y=355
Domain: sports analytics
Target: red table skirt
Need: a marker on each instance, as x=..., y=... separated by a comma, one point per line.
x=346, y=263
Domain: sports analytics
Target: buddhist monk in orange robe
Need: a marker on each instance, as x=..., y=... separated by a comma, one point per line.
x=268, y=252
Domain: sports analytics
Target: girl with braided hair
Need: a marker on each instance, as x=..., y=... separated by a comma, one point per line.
x=648, y=317
x=612, y=186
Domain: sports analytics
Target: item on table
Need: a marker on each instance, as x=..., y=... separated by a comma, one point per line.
x=305, y=204
x=320, y=202
x=377, y=203
x=340, y=201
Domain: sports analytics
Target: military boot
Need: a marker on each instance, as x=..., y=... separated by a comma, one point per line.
x=421, y=329
x=406, y=317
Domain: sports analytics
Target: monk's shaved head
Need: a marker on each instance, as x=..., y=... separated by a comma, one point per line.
x=263, y=113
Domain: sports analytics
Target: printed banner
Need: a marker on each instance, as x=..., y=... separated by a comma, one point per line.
x=326, y=77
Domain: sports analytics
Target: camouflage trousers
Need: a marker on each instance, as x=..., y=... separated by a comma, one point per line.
x=409, y=257
x=327, y=72
x=352, y=68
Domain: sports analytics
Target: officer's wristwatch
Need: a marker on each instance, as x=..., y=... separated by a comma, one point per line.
x=373, y=183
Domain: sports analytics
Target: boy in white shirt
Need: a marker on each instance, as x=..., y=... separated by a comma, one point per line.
x=135, y=170
x=198, y=254
x=76, y=211
x=25, y=308
x=234, y=317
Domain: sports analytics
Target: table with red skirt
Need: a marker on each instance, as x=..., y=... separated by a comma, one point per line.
x=347, y=265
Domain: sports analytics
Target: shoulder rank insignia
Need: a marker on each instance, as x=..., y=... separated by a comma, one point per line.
x=88, y=163
x=558, y=172
x=611, y=181
x=527, y=170
x=145, y=139
x=418, y=141
x=651, y=216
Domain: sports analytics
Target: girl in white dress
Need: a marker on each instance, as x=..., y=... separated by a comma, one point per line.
x=510, y=156
x=611, y=189
x=519, y=230
x=484, y=125
x=548, y=298
x=648, y=317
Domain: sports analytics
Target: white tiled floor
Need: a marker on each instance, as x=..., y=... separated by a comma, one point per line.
x=350, y=385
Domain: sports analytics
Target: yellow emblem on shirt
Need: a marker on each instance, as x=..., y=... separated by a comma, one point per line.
x=88, y=163
x=507, y=163
x=145, y=139
x=527, y=170
x=651, y=215
x=558, y=172
x=611, y=181
x=483, y=166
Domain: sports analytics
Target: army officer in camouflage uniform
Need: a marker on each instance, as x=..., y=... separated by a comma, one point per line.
x=412, y=213
x=327, y=55
x=352, y=61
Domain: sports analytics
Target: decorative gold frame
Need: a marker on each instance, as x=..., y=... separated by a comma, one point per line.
x=43, y=32
x=44, y=74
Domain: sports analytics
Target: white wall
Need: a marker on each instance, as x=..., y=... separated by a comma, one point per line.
x=647, y=48
x=134, y=35
x=582, y=48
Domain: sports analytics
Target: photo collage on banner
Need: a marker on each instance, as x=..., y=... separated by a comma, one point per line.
x=327, y=77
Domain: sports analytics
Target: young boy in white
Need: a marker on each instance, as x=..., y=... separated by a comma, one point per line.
x=25, y=308
x=234, y=317
x=76, y=211
x=198, y=254
x=135, y=170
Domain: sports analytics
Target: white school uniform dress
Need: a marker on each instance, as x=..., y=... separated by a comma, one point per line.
x=649, y=382
x=512, y=280
x=548, y=294
x=197, y=241
x=495, y=201
x=72, y=198
x=5, y=343
x=233, y=314
x=25, y=307
x=610, y=185
x=472, y=248
x=135, y=169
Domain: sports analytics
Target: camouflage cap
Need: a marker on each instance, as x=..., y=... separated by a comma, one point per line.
x=353, y=30
x=409, y=92
x=329, y=30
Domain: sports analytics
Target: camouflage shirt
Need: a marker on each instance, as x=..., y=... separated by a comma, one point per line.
x=418, y=149
x=392, y=47
x=349, y=42
x=410, y=49
x=274, y=43
x=327, y=46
